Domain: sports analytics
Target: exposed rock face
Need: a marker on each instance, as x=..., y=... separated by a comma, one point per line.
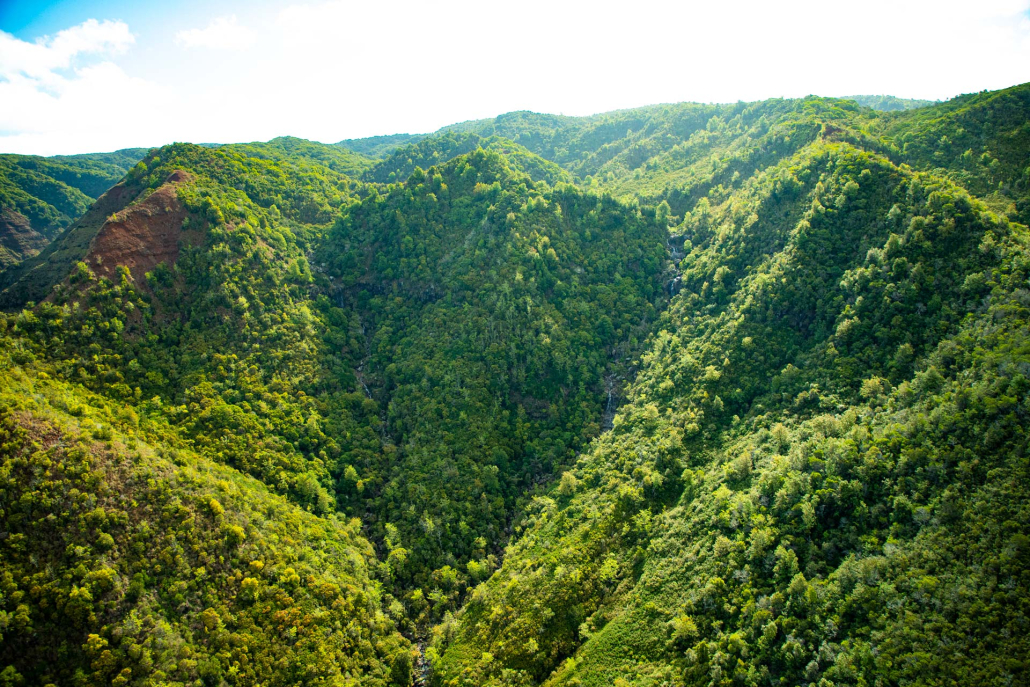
x=18, y=240
x=142, y=235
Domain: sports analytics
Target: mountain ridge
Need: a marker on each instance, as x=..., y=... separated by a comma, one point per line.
x=679, y=395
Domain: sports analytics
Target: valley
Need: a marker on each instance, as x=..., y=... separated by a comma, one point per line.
x=686, y=394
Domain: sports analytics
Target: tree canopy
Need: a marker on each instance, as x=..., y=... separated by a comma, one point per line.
x=680, y=395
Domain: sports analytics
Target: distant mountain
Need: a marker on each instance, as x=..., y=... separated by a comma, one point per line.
x=43, y=195
x=18, y=240
x=889, y=103
x=438, y=149
x=336, y=158
x=379, y=146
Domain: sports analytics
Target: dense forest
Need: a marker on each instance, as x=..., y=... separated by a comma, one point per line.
x=680, y=395
x=39, y=197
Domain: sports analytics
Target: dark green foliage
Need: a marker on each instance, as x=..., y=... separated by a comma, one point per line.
x=438, y=149
x=119, y=159
x=92, y=174
x=54, y=192
x=525, y=302
x=18, y=240
x=797, y=488
x=813, y=313
x=49, y=204
x=491, y=317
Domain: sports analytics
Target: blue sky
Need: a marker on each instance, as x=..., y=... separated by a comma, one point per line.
x=99, y=75
x=29, y=20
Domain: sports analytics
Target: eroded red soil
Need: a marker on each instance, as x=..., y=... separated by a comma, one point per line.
x=142, y=235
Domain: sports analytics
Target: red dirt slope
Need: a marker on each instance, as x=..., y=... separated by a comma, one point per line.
x=142, y=235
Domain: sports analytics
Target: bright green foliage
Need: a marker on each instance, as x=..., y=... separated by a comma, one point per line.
x=978, y=140
x=54, y=192
x=813, y=313
x=798, y=487
x=138, y=563
x=686, y=150
x=889, y=103
x=336, y=385
x=379, y=146
x=496, y=314
x=400, y=164
x=226, y=343
x=337, y=158
x=654, y=148
x=281, y=178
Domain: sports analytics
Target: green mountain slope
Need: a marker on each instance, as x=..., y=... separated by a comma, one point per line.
x=40, y=196
x=199, y=285
x=325, y=360
x=436, y=150
x=889, y=103
x=337, y=158
x=289, y=180
x=801, y=445
x=18, y=240
x=497, y=318
x=978, y=140
x=133, y=560
x=680, y=395
x=659, y=149
x=379, y=146
x=187, y=309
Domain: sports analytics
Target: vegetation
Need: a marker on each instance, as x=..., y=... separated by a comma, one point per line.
x=337, y=158
x=491, y=319
x=889, y=103
x=793, y=432
x=39, y=197
x=135, y=560
x=428, y=152
x=379, y=146
x=529, y=303
x=681, y=395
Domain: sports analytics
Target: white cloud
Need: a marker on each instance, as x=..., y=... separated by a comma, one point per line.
x=99, y=108
x=37, y=60
x=333, y=69
x=63, y=94
x=222, y=33
x=361, y=68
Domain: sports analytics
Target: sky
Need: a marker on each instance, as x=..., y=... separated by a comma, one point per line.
x=100, y=75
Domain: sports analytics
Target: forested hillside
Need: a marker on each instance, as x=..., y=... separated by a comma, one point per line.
x=464, y=323
x=379, y=146
x=399, y=164
x=813, y=425
x=889, y=103
x=492, y=320
x=40, y=196
x=681, y=395
x=136, y=560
